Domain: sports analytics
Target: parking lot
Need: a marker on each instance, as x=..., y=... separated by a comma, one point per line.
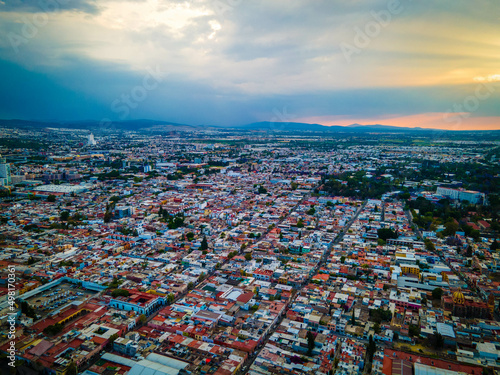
x=57, y=297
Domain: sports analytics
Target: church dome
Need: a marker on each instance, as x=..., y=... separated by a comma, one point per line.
x=458, y=298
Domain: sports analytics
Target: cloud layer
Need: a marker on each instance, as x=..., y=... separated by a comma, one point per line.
x=237, y=61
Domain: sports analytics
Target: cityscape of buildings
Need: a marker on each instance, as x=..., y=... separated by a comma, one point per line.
x=133, y=253
x=231, y=187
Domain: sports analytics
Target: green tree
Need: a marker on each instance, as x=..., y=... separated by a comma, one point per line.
x=380, y=315
x=450, y=228
x=494, y=246
x=142, y=319
x=120, y=293
x=107, y=217
x=413, y=330
x=437, y=293
x=114, y=283
x=437, y=341
x=64, y=216
x=429, y=245
x=310, y=342
x=204, y=244
x=174, y=222
x=386, y=233
x=371, y=348
x=113, y=337
x=248, y=256
x=170, y=298
x=27, y=309
x=72, y=369
x=51, y=198
x=476, y=235
x=53, y=329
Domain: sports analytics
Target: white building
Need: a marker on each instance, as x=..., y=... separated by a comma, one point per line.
x=91, y=141
x=64, y=188
x=461, y=194
x=4, y=172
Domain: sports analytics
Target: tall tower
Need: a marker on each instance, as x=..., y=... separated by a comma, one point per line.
x=4, y=172
x=91, y=141
x=491, y=304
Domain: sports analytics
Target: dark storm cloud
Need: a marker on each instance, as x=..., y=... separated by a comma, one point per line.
x=92, y=92
x=88, y=6
x=31, y=95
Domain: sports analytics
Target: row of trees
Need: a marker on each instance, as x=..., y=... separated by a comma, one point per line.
x=430, y=215
x=56, y=328
x=120, y=293
x=174, y=221
x=356, y=185
x=75, y=218
x=27, y=309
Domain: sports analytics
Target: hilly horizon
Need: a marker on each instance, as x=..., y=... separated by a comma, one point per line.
x=143, y=124
x=330, y=128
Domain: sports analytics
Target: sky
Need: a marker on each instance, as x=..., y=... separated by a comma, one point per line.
x=429, y=64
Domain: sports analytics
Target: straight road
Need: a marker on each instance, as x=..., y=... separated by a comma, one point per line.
x=246, y=366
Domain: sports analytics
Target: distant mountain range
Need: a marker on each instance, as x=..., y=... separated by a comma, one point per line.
x=265, y=126
x=304, y=127
x=93, y=124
